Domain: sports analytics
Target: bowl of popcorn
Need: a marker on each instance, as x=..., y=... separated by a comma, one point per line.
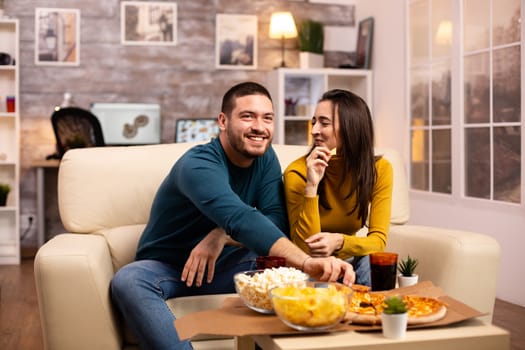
x=253, y=287
x=316, y=306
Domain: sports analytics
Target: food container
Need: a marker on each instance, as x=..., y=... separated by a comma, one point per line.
x=316, y=306
x=253, y=286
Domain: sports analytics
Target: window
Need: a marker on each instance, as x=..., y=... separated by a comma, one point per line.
x=492, y=99
x=430, y=85
x=484, y=118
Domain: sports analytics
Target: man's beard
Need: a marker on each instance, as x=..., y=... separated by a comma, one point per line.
x=238, y=144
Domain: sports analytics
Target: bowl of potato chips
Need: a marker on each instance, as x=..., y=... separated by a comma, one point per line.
x=253, y=286
x=316, y=306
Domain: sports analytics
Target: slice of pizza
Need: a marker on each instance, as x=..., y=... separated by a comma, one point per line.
x=424, y=309
x=365, y=307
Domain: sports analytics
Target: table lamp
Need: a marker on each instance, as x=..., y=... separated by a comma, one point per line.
x=282, y=26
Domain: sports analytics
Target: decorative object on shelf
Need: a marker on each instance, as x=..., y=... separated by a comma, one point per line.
x=148, y=23
x=364, y=43
x=67, y=101
x=282, y=26
x=394, y=318
x=10, y=104
x=236, y=41
x=290, y=106
x=311, y=41
x=407, y=276
x=4, y=191
x=5, y=59
x=57, y=36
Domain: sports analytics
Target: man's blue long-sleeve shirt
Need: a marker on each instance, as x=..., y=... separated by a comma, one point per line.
x=204, y=190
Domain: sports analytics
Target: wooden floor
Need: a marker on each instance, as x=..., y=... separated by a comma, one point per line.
x=20, y=323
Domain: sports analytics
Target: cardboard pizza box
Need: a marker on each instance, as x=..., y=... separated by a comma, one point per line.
x=238, y=320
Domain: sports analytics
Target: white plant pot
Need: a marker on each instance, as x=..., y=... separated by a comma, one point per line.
x=405, y=281
x=395, y=325
x=311, y=60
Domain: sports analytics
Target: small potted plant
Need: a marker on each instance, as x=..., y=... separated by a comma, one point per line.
x=394, y=318
x=311, y=41
x=4, y=191
x=407, y=268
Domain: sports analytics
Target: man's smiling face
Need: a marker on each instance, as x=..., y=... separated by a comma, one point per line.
x=249, y=129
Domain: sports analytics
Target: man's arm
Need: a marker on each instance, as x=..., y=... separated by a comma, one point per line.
x=321, y=268
x=205, y=181
x=204, y=256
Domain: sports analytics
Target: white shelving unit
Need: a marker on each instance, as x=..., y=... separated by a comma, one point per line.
x=9, y=144
x=304, y=87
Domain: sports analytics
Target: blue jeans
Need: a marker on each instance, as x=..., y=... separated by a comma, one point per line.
x=361, y=266
x=139, y=291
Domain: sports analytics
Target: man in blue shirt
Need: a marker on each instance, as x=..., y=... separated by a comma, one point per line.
x=221, y=206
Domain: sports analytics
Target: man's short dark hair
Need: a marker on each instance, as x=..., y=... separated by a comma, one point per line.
x=240, y=90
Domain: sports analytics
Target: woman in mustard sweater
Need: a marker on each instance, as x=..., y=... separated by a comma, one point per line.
x=340, y=186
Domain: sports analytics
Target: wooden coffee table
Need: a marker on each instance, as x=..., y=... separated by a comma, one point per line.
x=470, y=334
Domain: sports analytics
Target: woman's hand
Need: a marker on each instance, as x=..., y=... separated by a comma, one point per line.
x=316, y=163
x=324, y=243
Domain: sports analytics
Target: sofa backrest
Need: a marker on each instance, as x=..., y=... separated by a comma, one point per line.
x=400, y=199
x=106, y=187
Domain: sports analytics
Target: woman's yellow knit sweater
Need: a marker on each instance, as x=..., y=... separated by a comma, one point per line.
x=307, y=217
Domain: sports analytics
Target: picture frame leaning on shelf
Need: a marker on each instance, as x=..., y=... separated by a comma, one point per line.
x=365, y=37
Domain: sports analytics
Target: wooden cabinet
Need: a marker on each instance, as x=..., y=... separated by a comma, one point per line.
x=9, y=141
x=295, y=93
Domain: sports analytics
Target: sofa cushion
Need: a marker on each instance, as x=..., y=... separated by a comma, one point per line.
x=102, y=187
x=122, y=243
x=400, y=199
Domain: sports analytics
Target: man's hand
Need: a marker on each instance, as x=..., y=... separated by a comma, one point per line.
x=325, y=269
x=329, y=269
x=203, y=256
x=324, y=243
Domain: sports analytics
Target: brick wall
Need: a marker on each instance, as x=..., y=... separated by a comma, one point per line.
x=182, y=78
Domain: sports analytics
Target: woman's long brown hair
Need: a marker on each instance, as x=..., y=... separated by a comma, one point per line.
x=356, y=148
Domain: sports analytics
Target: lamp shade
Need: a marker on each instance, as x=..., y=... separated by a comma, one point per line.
x=282, y=25
x=444, y=33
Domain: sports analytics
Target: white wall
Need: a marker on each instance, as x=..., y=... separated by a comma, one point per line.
x=506, y=225
x=388, y=65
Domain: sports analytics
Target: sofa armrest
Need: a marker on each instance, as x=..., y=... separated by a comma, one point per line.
x=72, y=275
x=465, y=264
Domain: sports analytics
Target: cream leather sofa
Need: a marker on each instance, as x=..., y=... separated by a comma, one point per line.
x=104, y=200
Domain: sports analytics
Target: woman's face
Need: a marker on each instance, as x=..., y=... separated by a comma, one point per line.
x=325, y=125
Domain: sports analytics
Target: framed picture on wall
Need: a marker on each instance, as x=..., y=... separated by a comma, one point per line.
x=148, y=23
x=57, y=36
x=236, y=41
x=191, y=130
